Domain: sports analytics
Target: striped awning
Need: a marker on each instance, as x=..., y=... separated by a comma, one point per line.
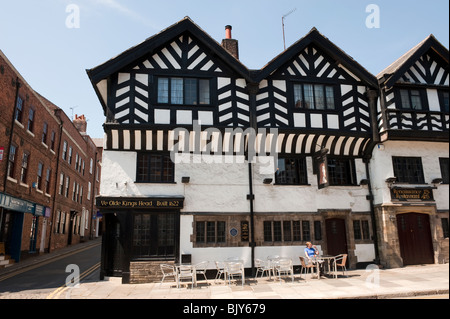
x=217, y=142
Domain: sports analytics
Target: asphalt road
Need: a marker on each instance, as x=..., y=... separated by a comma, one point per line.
x=48, y=280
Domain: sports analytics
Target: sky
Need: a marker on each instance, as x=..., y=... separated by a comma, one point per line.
x=52, y=42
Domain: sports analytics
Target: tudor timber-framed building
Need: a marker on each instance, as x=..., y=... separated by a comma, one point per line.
x=179, y=96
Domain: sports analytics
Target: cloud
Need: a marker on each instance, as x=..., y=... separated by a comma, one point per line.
x=115, y=5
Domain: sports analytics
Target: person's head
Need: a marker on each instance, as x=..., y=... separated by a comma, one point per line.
x=309, y=244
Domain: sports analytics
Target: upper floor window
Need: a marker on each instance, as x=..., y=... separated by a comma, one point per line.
x=187, y=91
x=30, y=125
x=314, y=97
x=11, y=160
x=291, y=171
x=19, y=110
x=443, y=162
x=408, y=170
x=154, y=168
x=444, y=101
x=412, y=99
x=24, y=170
x=341, y=171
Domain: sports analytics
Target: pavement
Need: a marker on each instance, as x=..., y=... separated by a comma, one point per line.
x=372, y=283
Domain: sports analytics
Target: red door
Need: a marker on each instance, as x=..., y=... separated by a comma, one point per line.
x=336, y=236
x=414, y=236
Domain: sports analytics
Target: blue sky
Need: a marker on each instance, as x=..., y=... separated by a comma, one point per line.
x=53, y=58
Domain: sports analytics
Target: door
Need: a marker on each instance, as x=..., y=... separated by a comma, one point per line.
x=414, y=234
x=114, y=252
x=336, y=236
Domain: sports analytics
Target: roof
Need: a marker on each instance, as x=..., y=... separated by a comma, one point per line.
x=393, y=72
x=113, y=65
x=314, y=36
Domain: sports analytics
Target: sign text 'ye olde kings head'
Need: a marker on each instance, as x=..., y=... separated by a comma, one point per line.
x=139, y=203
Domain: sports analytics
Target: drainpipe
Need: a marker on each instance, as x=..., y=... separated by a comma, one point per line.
x=253, y=89
x=8, y=148
x=58, y=153
x=372, y=95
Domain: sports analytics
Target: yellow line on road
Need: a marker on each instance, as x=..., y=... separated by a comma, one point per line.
x=55, y=294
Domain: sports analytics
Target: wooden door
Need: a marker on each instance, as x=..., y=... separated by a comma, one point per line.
x=336, y=236
x=414, y=236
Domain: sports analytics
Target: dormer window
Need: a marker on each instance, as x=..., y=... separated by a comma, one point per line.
x=184, y=91
x=314, y=97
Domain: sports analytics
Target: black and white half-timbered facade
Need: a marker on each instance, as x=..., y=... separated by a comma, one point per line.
x=205, y=159
x=410, y=166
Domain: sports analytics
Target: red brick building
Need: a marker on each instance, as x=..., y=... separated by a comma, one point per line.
x=49, y=170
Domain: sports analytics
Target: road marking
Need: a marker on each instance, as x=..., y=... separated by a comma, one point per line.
x=55, y=294
x=21, y=271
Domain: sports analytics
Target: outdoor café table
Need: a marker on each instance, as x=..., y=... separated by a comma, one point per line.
x=328, y=261
x=272, y=262
x=186, y=267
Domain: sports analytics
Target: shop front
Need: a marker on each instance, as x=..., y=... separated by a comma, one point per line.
x=15, y=213
x=139, y=234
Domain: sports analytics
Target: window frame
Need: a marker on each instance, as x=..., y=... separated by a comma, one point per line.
x=314, y=86
x=164, y=158
x=350, y=171
x=409, y=90
x=444, y=166
x=401, y=174
x=170, y=99
x=442, y=100
x=300, y=170
x=18, y=111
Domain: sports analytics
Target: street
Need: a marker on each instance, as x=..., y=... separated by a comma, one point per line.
x=48, y=279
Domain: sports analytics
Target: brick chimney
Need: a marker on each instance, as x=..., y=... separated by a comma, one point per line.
x=229, y=44
x=80, y=123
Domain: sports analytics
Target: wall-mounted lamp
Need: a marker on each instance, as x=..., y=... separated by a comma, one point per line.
x=391, y=180
x=364, y=181
x=185, y=179
x=267, y=181
x=437, y=181
x=392, y=218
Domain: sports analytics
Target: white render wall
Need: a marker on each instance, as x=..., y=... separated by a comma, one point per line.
x=381, y=167
x=223, y=186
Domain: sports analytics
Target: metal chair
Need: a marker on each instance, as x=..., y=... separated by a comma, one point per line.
x=235, y=269
x=262, y=266
x=185, y=272
x=200, y=268
x=220, y=270
x=342, y=259
x=285, y=266
x=305, y=266
x=168, y=271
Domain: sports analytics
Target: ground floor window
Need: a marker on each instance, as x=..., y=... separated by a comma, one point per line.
x=288, y=231
x=154, y=235
x=210, y=232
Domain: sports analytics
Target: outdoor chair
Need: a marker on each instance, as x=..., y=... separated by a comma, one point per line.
x=168, y=271
x=200, y=268
x=340, y=261
x=185, y=272
x=235, y=269
x=305, y=266
x=285, y=266
x=220, y=270
x=262, y=266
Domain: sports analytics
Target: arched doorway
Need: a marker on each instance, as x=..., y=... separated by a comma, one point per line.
x=414, y=234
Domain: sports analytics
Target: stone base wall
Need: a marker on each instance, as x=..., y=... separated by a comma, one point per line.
x=146, y=271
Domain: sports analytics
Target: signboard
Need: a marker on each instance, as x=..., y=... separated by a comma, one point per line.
x=244, y=231
x=412, y=194
x=16, y=204
x=139, y=203
x=321, y=168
